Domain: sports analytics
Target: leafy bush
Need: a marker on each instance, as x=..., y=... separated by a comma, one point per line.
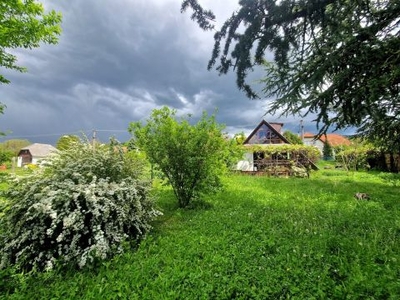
x=353, y=157
x=327, y=151
x=5, y=156
x=293, y=138
x=191, y=157
x=66, y=141
x=31, y=167
x=81, y=207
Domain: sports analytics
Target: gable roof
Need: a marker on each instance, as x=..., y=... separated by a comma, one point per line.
x=273, y=127
x=40, y=150
x=333, y=139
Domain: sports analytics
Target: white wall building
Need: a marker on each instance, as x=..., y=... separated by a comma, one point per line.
x=34, y=154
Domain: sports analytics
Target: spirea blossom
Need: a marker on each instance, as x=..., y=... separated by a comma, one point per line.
x=80, y=208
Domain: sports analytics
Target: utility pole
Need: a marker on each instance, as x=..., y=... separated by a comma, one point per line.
x=94, y=139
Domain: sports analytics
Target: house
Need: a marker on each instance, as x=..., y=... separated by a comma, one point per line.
x=333, y=139
x=257, y=157
x=34, y=154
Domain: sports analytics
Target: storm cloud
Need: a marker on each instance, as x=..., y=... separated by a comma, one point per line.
x=114, y=63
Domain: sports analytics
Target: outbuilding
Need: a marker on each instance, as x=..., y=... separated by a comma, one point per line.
x=34, y=154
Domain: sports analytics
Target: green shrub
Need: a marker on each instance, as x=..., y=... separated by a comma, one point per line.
x=31, y=167
x=81, y=207
x=191, y=157
x=293, y=138
x=5, y=155
x=327, y=151
x=353, y=157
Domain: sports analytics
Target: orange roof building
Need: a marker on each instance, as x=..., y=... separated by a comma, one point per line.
x=333, y=139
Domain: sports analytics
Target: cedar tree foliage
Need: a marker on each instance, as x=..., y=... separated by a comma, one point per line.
x=191, y=157
x=338, y=59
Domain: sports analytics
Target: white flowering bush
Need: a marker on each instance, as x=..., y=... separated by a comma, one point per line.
x=79, y=208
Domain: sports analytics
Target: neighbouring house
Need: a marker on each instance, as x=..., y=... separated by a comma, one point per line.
x=333, y=139
x=261, y=154
x=35, y=154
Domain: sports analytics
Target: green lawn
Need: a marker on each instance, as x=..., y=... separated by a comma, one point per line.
x=261, y=238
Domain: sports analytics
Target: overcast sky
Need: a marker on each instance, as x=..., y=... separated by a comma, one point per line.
x=114, y=63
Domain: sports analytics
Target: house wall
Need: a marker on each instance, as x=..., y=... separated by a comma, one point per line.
x=247, y=164
x=24, y=157
x=316, y=143
x=23, y=161
x=19, y=162
x=37, y=160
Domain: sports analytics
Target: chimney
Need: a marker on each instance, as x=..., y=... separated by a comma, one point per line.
x=277, y=126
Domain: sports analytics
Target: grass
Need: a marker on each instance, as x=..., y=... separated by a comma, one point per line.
x=261, y=238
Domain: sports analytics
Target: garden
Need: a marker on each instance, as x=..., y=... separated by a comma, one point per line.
x=260, y=238
x=172, y=221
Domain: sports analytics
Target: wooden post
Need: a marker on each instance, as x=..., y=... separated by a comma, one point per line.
x=13, y=164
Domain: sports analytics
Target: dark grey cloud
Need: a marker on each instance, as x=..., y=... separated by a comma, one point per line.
x=115, y=62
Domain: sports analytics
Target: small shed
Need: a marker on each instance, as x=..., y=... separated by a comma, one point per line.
x=34, y=154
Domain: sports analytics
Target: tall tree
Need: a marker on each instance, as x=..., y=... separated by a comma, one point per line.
x=384, y=133
x=327, y=150
x=14, y=145
x=338, y=59
x=24, y=24
x=292, y=138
